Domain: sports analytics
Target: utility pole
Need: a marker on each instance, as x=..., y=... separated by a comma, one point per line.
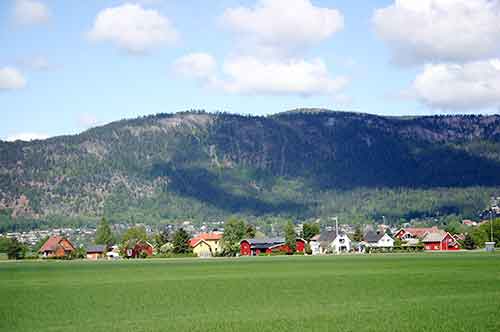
x=490, y=246
x=491, y=225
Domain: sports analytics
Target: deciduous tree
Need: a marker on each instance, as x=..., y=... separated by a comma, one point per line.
x=234, y=232
x=250, y=231
x=309, y=231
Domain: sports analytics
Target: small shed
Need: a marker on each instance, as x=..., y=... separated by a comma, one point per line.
x=96, y=252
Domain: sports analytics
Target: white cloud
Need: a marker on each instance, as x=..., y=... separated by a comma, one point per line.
x=26, y=137
x=430, y=31
x=201, y=66
x=277, y=27
x=250, y=75
x=132, y=28
x=11, y=79
x=274, y=33
x=28, y=12
x=459, y=87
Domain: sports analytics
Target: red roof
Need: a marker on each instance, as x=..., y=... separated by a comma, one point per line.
x=205, y=237
x=421, y=231
x=54, y=241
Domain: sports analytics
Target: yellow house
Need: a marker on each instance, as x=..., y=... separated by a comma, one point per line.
x=206, y=244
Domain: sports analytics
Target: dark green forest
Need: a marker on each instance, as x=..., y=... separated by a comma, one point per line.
x=302, y=164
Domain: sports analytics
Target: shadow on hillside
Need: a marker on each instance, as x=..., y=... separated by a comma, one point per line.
x=206, y=187
x=430, y=167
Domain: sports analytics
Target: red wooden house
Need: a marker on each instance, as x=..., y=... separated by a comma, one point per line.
x=414, y=232
x=254, y=247
x=440, y=241
x=138, y=249
x=56, y=246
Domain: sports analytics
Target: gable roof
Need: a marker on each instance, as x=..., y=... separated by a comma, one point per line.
x=267, y=240
x=195, y=242
x=205, y=237
x=330, y=236
x=99, y=248
x=372, y=236
x=420, y=232
x=210, y=236
x=436, y=237
x=266, y=243
x=55, y=241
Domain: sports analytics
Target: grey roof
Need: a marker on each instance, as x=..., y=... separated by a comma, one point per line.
x=434, y=237
x=275, y=240
x=329, y=236
x=373, y=237
x=97, y=248
x=265, y=243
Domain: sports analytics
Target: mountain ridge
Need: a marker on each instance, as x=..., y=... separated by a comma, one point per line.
x=196, y=164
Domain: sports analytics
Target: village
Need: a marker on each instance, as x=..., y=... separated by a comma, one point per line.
x=187, y=240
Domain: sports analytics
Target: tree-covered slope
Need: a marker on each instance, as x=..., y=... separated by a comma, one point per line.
x=303, y=163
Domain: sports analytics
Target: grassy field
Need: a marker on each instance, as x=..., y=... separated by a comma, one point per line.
x=426, y=292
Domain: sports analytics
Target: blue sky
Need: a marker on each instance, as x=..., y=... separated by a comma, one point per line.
x=66, y=65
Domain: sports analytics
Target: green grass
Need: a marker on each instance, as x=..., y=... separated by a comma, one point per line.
x=426, y=292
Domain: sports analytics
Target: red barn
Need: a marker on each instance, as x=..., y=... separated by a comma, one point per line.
x=254, y=247
x=441, y=241
x=57, y=246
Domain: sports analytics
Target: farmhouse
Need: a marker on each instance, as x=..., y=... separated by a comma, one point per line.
x=330, y=242
x=137, y=249
x=414, y=232
x=378, y=240
x=206, y=244
x=440, y=241
x=57, y=246
x=254, y=247
x=96, y=252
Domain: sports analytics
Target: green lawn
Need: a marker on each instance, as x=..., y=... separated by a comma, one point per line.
x=426, y=292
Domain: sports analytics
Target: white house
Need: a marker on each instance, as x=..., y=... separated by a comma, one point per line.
x=378, y=240
x=330, y=242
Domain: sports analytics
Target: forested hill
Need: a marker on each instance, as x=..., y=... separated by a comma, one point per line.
x=302, y=163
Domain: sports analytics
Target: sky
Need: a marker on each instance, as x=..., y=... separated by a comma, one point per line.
x=68, y=65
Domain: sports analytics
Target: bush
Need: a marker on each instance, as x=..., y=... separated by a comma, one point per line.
x=308, y=249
